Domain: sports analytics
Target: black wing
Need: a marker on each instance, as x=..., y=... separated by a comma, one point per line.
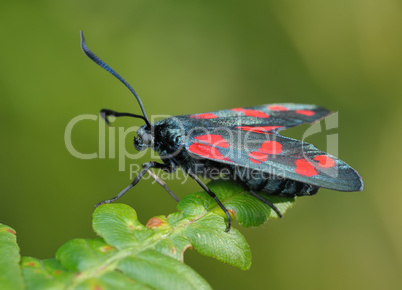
x=273, y=154
x=265, y=118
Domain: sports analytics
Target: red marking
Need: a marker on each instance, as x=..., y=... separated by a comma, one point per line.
x=260, y=130
x=325, y=161
x=204, y=116
x=213, y=139
x=207, y=151
x=303, y=167
x=271, y=147
x=9, y=231
x=106, y=249
x=261, y=157
x=154, y=222
x=32, y=264
x=268, y=147
x=252, y=113
x=232, y=212
x=277, y=108
x=305, y=112
x=254, y=161
x=57, y=272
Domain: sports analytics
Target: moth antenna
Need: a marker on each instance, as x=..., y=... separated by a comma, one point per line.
x=105, y=66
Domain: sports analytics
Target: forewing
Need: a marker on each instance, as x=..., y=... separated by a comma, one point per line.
x=264, y=118
x=275, y=154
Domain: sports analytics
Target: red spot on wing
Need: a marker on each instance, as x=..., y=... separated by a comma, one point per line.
x=261, y=130
x=204, y=116
x=303, y=167
x=325, y=161
x=252, y=113
x=261, y=157
x=207, y=151
x=277, y=108
x=271, y=147
x=267, y=148
x=213, y=139
x=305, y=112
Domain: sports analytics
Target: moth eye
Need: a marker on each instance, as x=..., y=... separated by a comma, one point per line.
x=177, y=139
x=147, y=139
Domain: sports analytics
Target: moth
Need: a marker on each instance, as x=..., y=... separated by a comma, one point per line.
x=242, y=144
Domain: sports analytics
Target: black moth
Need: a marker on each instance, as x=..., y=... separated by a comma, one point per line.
x=243, y=144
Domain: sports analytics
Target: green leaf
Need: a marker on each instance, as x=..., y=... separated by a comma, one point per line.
x=131, y=255
x=212, y=241
x=10, y=272
x=161, y=272
x=248, y=210
x=119, y=226
x=44, y=274
x=80, y=255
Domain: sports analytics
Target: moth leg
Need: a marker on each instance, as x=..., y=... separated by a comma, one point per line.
x=204, y=187
x=266, y=202
x=146, y=167
x=163, y=184
x=165, y=167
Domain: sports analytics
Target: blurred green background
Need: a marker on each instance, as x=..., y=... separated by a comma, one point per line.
x=197, y=56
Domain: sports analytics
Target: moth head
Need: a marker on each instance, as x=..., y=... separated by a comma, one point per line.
x=144, y=138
